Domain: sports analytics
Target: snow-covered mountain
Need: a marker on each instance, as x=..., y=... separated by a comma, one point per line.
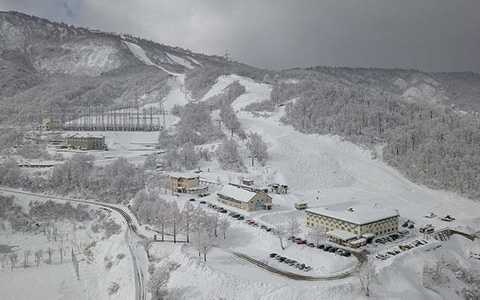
x=48, y=64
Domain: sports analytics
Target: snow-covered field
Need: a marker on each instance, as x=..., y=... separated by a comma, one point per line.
x=59, y=280
x=319, y=170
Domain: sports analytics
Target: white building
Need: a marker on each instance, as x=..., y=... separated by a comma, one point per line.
x=357, y=220
x=243, y=199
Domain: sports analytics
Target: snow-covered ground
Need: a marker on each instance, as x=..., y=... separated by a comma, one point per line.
x=319, y=170
x=59, y=280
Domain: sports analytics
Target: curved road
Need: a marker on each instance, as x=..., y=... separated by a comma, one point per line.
x=140, y=293
x=139, y=277
x=294, y=276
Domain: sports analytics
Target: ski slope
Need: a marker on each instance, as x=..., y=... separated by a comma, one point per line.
x=140, y=54
x=323, y=170
x=254, y=91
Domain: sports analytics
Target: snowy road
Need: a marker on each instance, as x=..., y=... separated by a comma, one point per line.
x=131, y=235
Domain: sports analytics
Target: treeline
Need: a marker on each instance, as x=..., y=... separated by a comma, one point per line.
x=431, y=144
x=194, y=224
x=50, y=211
x=116, y=182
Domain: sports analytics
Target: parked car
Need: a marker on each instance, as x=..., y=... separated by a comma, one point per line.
x=307, y=268
x=291, y=238
x=321, y=246
x=448, y=218
x=203, y=202
x=268, y=229
x=191, y=200
x=300, y=242
x=272, y=255
x=311, y=245
x=203, y=195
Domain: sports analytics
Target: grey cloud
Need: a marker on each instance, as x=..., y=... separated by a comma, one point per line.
x=438, y=35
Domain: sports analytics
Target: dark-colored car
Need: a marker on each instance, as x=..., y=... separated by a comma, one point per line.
x=202, y=202
x=272, y=255
x=300, y=242
x=241, y=218
x=332, y=250
x=321, y=246
x=268, y=229
x=191, y=199
x=312, y=245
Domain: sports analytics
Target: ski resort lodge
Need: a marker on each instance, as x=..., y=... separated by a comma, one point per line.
x=86, y=142
x=243, y=199
x=352, y=226
x=186, y=183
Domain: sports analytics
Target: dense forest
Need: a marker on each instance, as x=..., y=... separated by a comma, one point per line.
x=430, y=143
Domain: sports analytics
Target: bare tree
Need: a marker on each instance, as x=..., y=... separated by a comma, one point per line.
x=38, y=256
x=318, y=234
x=366, y=275
x=257, y=148
x=188, y=215
x=26, y=255
x=13, y=260
x=223, y=225
x=280, y=232
x=50, y=254
x=293, y=226
x=175, y=219
x=158, y=281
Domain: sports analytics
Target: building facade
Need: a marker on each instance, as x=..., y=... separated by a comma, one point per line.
x=183, y=183
x=86, y=142
x=358, y=221
x=243, y=199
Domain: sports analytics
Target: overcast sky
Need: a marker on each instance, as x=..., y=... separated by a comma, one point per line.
x=434, y=35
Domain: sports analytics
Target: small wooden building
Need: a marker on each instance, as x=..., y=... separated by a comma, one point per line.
x=86, y=142
x=243, y=199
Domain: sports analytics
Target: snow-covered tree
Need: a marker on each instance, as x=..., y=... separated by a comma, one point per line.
x=318, y=234
x=150, y=162
x=224, y=225
x=367, y=274
x=38, y=257
x=188, y=218
x=230, y=120
x=293, y=226
x=281, y=233
x=9, y=173
x=188, y=156
x=228, y=155
x=257, y=147
x=158, y=281
x=175, y=219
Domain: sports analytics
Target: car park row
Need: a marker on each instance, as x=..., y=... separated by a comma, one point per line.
x=401, y=248
x=290, y=262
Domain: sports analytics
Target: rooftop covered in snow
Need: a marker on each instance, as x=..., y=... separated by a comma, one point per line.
x=183, y=175
x=357, y=214
x=236, y=193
